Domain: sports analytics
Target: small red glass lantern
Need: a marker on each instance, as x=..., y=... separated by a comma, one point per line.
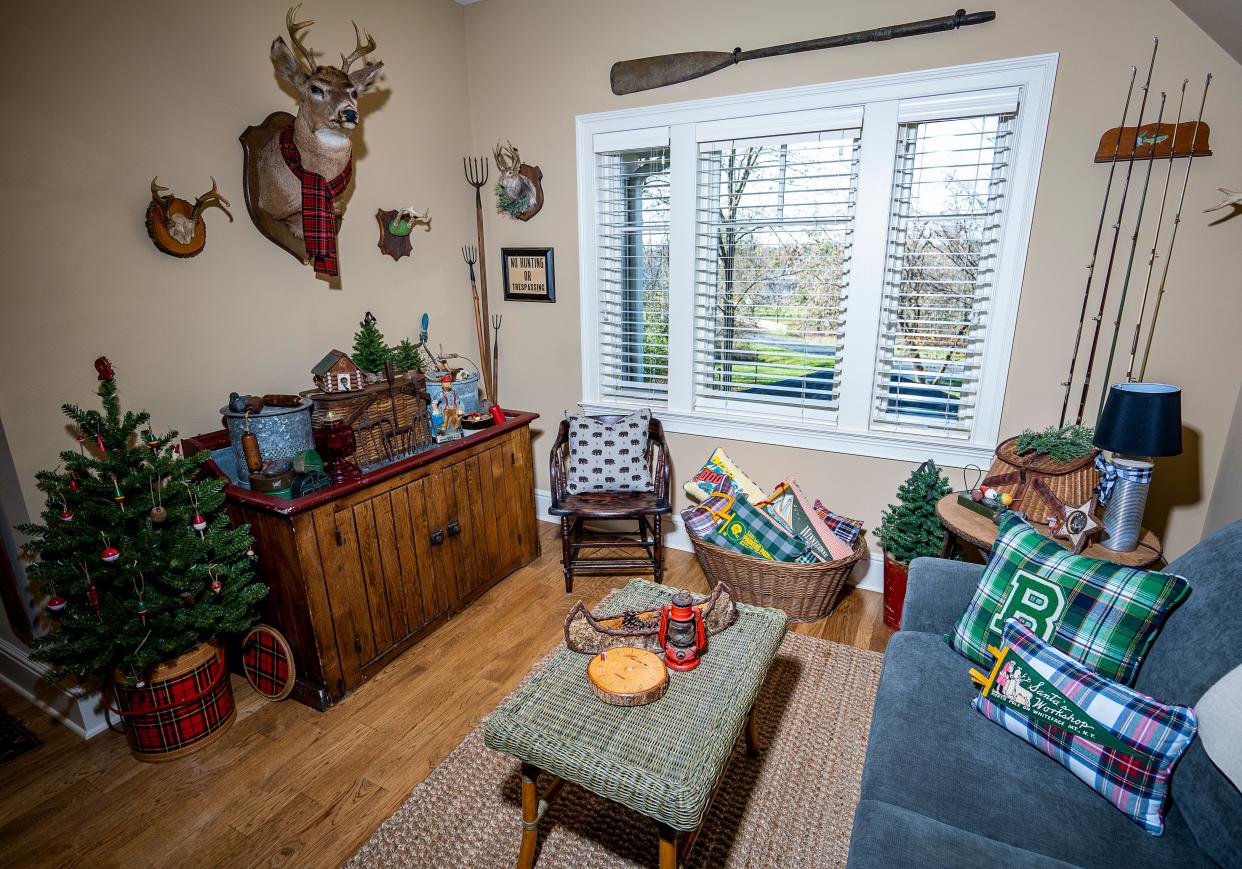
x=682, y=634
x=335, y=443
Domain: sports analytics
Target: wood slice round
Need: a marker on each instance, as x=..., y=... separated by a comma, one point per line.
x=627, y=676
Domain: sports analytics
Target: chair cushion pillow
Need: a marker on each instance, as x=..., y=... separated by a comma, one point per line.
x=1102, y=614
x=1121, y=743
x=608, y=457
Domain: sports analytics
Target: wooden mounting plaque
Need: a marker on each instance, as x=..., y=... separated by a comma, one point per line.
x=627, y=676
x=1154, y=143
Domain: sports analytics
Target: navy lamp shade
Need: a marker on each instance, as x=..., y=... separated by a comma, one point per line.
x=1141, y=419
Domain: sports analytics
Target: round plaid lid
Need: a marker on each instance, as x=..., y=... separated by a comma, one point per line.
x=268, y=662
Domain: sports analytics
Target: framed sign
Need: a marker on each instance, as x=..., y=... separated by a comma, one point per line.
x=528, y=274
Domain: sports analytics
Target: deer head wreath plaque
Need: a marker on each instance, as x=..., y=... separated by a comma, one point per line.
x=296, y=168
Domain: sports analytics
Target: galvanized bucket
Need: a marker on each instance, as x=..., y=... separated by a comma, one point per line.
x=283, y=432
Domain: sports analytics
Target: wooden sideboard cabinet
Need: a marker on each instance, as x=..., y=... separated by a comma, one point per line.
x=361, y=571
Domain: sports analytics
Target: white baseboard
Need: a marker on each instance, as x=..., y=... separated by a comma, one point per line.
x=78, y=710
x=868, y=574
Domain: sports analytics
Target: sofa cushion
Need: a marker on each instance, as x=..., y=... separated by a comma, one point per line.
x=890, y=837
x=1201, y=642
x=1103, y=614
x=1114, y=739
x=929, y=753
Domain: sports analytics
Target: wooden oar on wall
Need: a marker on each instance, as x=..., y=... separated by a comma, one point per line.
x=646, y=73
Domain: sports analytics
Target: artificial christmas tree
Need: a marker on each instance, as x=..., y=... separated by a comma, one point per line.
x=405, y=356
x=370, y=351
x=910, y=530
x=141, y=566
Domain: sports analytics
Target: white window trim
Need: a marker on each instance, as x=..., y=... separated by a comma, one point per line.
x=888, y=99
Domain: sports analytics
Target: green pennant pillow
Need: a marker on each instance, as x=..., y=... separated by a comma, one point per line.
x=1097, y=612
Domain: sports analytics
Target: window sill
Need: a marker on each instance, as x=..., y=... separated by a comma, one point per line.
x=879, y=445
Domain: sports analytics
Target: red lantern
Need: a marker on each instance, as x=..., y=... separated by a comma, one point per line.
x=682, y=634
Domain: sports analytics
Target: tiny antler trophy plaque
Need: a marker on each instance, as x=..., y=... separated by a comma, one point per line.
x=519, y=192
x=176, y=227
x=296, y=168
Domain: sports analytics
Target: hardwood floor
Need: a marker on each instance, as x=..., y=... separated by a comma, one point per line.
x=289, y=786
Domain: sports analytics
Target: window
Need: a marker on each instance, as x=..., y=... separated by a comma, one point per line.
x=835, y=267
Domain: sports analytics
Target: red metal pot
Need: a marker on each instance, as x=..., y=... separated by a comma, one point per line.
x=895, y=575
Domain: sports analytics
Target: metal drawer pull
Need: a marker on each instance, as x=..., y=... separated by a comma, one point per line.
x=437, y=537
x=454, y=528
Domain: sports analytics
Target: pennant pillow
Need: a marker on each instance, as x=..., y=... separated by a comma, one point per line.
x=1100, y=613
x=793, y=510
x=719, y=466
x=1121, y=743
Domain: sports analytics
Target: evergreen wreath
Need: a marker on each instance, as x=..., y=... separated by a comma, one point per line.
x=1063, y=444
x=506, y=204
x=909, y=529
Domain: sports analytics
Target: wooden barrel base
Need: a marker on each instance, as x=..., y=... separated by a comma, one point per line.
x=626, y=676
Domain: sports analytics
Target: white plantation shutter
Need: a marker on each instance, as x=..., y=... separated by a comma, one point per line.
x=774, y=226
x=632, y=227
x=948, y=200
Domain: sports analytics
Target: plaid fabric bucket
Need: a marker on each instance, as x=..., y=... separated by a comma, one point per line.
x=186, y=703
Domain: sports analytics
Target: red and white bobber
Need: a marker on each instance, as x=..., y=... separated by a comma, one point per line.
x=65, y=515
x=57, y=603
x=216, y=585
x=110, y=554
x=200, y=524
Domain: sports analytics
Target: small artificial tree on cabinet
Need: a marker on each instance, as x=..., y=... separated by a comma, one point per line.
x=136, y=555
x=370, y=351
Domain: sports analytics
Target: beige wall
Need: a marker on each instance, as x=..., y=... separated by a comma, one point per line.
x=129, y=90
x=105, y=95
x=1226, y=503
x=535, y=64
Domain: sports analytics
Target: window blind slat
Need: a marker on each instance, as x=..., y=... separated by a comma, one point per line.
x=773, y=236
x=631, y=228
x=949, y=189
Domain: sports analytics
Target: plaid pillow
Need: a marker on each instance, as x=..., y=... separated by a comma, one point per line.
x=1122, y=743
x=844, y=527
x=1100, y=613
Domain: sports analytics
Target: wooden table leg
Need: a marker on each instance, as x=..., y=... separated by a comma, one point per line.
x=668, y=847
x=949, y=548
x=530, y=816
x=752, y=735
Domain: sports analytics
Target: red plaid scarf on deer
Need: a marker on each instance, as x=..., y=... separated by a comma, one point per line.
x=318, y=215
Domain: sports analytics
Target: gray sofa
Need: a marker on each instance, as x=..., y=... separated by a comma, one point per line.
x=943, y=786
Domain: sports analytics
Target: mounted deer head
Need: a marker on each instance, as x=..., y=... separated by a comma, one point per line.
x=315, y=152
x=176, y=227
x=519, y=191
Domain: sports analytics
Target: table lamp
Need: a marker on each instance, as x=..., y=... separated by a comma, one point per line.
x=1139, y=421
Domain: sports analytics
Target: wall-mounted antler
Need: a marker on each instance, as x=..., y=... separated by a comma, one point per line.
x=508, y=160
x=361, y=51
x=176, y=227
x=304, y=56
x=211, y=198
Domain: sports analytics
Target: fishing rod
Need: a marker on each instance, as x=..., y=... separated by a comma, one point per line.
x=1125, y=284
x=1112, y=253
x=1099, y=232
x=1155, y=241
x=1177, y=219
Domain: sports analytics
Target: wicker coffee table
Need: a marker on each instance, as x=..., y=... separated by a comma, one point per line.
x=664, y=760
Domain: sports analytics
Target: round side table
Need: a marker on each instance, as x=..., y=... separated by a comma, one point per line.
x=961, y=523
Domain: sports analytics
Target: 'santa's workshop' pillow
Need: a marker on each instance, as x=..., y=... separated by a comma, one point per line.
x=1097, y=612
x=608, y=457
x=1121, y=743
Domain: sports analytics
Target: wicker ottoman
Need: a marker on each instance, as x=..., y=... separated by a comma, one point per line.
x=663, y=760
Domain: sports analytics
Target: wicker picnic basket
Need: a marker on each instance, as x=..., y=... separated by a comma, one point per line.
x=806, y=592
x=1070, y=482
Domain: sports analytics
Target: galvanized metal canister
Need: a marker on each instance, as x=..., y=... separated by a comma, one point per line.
x=283, y=432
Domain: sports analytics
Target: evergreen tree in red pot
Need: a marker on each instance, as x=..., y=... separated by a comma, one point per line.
x=143, y=575
x=908, y=530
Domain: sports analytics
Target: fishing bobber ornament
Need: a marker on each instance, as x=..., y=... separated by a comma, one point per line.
x=216, y=585
x=110, y=554
x=200, y=524
x=57, y=603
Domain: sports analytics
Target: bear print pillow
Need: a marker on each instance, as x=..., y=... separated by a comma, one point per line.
x=608, y=457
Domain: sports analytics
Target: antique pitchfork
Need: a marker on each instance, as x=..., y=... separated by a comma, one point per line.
x=476, y=175
x=471, y=256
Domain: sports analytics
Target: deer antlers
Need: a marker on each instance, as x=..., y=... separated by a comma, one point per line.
x=305, y=58
x=507, y=159
x=160, y=194
x=210, y=198
x=361, y=51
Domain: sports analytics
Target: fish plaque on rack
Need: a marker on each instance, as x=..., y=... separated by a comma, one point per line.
x=1154, y=142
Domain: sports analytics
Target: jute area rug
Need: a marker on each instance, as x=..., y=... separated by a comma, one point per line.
x=792, y=806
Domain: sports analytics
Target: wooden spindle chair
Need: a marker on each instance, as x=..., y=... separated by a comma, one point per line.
x=647, y=509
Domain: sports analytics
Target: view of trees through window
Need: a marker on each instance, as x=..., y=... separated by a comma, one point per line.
x=773, y=240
